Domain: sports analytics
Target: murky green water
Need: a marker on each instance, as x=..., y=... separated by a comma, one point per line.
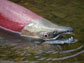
x=63, y=12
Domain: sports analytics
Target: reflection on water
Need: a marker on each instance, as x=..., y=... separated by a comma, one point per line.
x=17, y=48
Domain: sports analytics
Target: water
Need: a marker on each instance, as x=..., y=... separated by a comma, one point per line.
x=14, y=47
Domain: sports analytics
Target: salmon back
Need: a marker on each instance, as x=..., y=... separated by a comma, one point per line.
x=14, y=17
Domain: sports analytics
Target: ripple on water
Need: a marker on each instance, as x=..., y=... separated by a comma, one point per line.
x=46, y=55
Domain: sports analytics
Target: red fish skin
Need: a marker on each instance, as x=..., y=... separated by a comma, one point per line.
x=14, y=17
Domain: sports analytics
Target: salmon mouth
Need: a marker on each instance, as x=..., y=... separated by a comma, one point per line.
x=61, y=38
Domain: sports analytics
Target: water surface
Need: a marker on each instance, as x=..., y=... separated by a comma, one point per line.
x=14, y=47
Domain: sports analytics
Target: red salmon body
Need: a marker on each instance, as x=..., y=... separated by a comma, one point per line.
x=14, y=17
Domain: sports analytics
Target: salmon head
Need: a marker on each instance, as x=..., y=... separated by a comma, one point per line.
x=49, y=32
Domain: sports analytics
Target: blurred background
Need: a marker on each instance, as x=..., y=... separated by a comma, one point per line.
x=61, y=12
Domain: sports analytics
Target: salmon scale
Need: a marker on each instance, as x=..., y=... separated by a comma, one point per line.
x=14, y=17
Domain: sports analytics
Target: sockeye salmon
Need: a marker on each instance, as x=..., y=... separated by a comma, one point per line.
x=16, y=18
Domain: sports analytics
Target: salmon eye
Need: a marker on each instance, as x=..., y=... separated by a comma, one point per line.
x=45, y=35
